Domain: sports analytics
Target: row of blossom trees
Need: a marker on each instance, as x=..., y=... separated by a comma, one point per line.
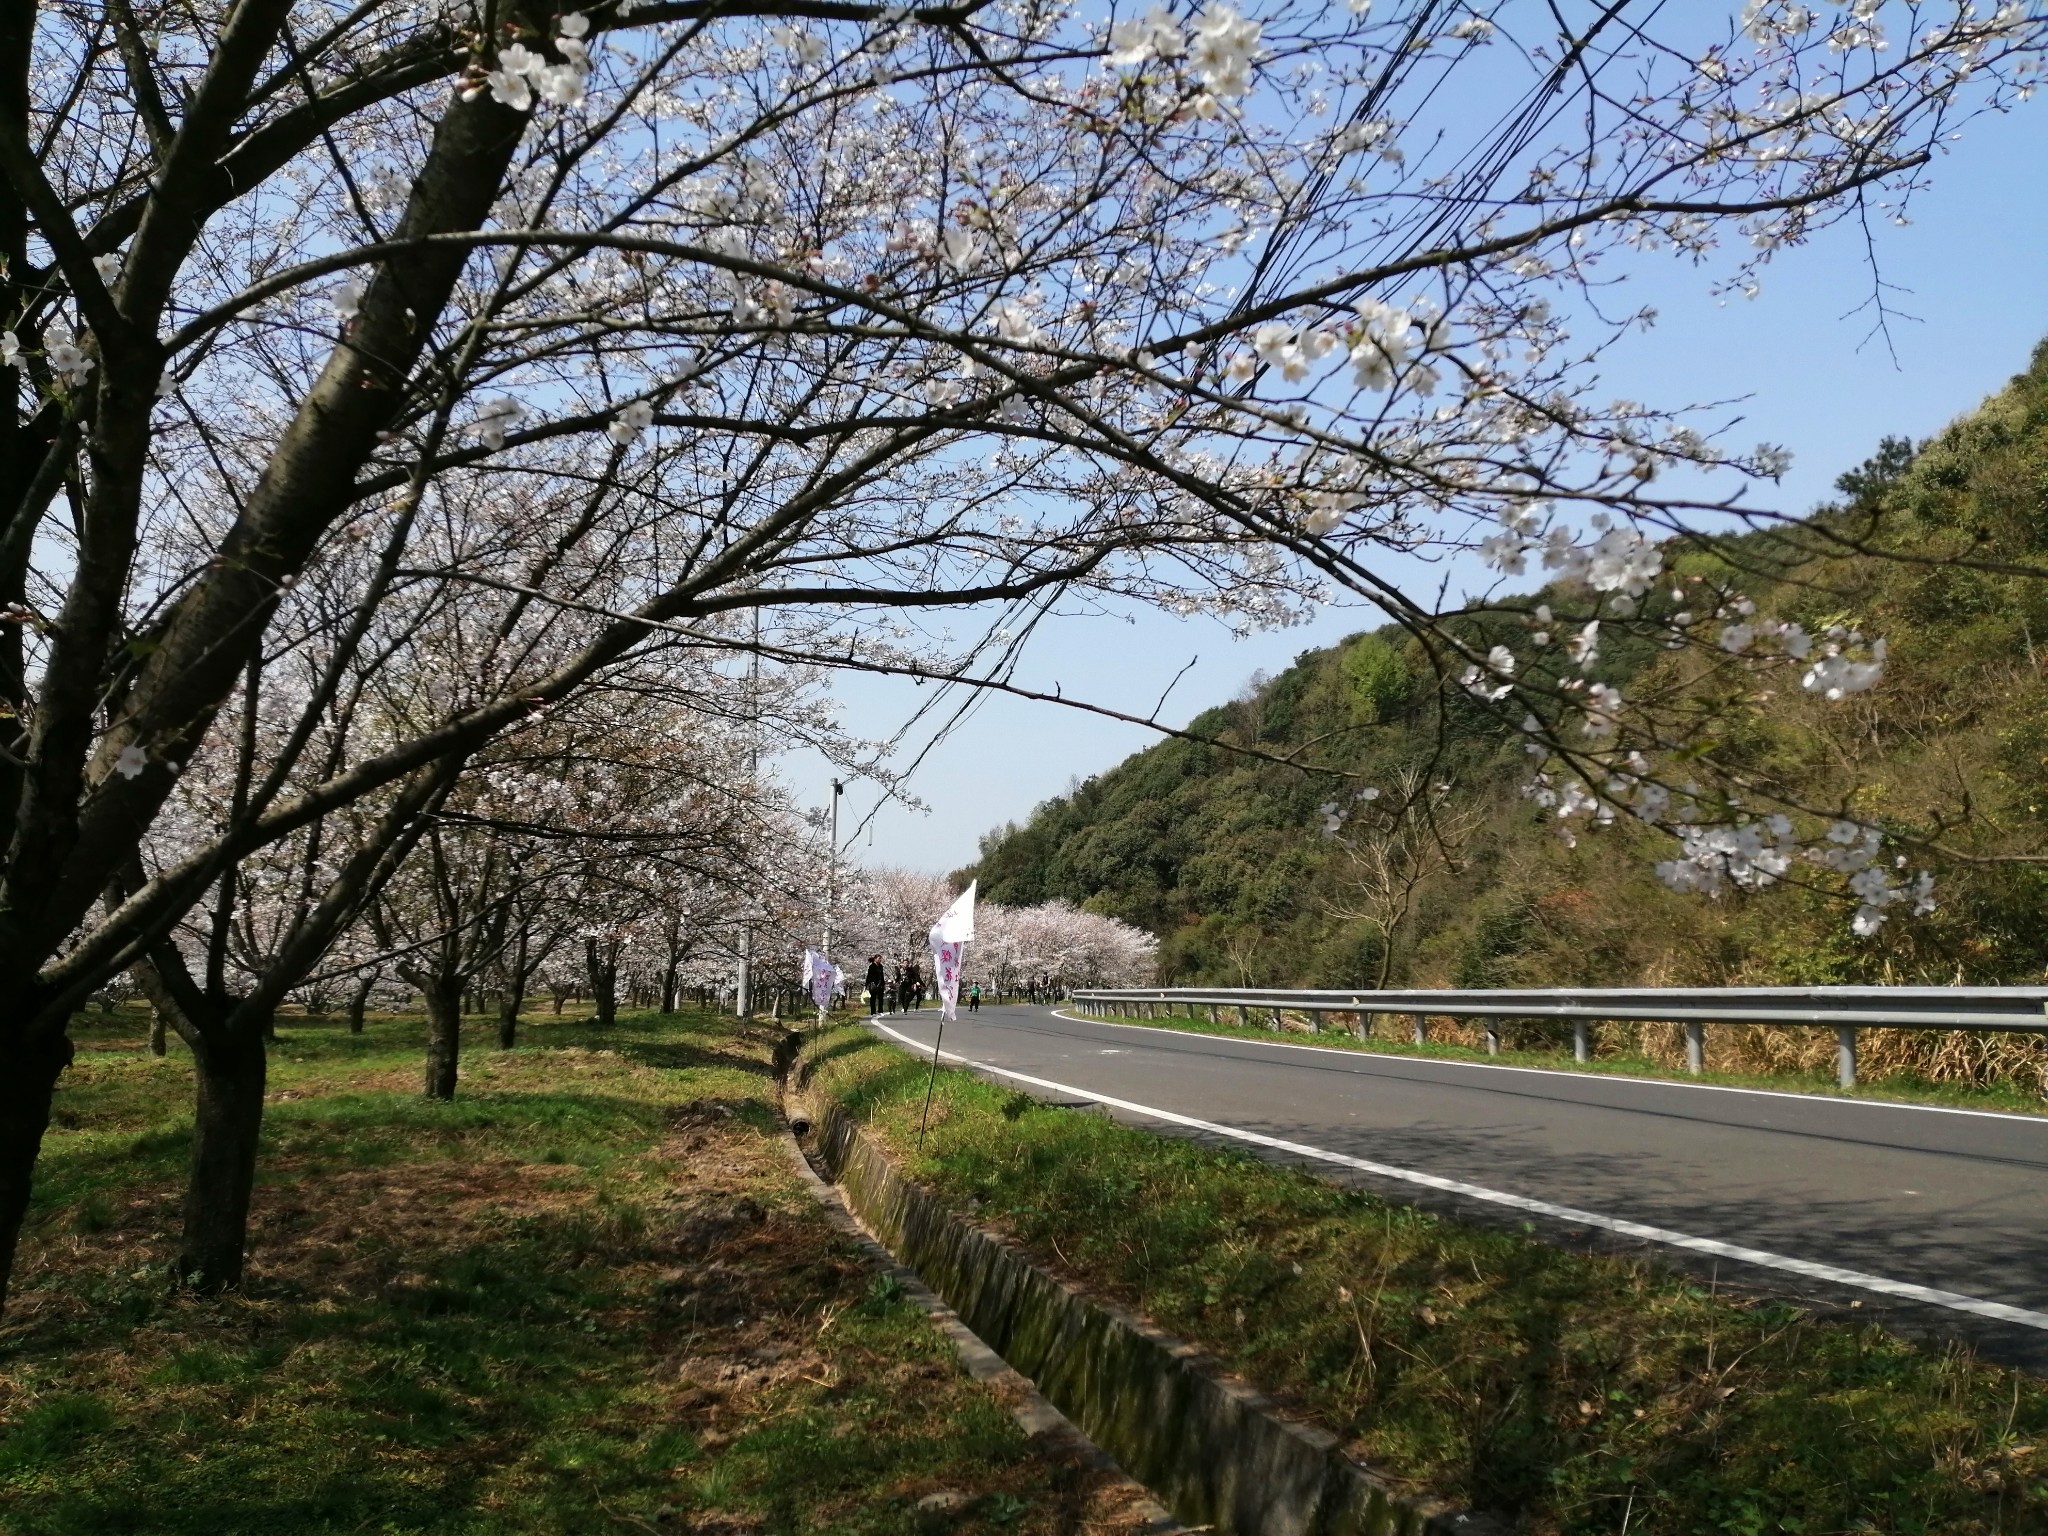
x=889, y=912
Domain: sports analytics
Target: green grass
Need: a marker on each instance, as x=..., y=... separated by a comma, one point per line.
x=1898, y=1087
x=588, y=1295
x=1575, y=1393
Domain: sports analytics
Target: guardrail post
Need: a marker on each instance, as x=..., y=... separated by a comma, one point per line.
x=1695, y=1048
x=1845, y=1055
x=1582, y=1045
x=1362, y=1025
x=1421, y=1030
x=1212, y=1015
x=1492, y=1038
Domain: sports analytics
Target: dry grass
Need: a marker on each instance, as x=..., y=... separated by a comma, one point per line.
x=589, y=1295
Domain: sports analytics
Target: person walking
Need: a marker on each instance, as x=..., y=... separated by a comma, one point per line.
x=914, y=984
x=878, y=984
x=974, y=998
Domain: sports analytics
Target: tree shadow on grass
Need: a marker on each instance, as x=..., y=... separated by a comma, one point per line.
x=458, y=1364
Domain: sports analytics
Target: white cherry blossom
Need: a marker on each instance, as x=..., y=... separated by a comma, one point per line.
x=626, y=427
x=1225, y=47
x=1155, y=35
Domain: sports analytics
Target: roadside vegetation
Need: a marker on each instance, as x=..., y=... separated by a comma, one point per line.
x=1996, y=1093
x=588, y=1296
x=1569, y=1393
x=1252, y=872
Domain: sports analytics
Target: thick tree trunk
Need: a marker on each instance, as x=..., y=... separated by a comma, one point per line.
x=25, y=1092
x=358, y=1001
x=444, y=1035
x=229, y=1069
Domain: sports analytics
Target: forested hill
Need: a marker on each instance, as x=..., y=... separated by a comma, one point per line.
x=1225, y=857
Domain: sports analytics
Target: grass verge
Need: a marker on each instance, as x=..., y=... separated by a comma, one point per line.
x=1898, y=1088
x=1570, y=1393
x=587, y=1296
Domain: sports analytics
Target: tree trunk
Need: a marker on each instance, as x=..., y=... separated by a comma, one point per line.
x=514, y=996
x=444, y=1035
x=228, y=1069
x=603, y=965
x=159, y=1044
x=25, y=1092
x=358, y=1001
x=509, y=1006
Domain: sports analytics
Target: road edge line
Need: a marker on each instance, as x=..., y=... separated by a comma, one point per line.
x=1903, y=1290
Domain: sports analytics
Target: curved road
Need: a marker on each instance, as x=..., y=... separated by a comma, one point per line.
x=1938, y=1219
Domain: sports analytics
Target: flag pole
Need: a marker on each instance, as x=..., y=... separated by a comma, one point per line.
x=949, y=939
x=931, y=1081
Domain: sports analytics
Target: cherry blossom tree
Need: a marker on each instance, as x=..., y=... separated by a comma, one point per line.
x=604, y=333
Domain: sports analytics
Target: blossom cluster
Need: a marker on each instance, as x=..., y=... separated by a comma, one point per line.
x=523, y=73
x=1756, y=853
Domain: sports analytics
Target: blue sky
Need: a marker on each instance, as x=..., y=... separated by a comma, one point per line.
x=1971, y=271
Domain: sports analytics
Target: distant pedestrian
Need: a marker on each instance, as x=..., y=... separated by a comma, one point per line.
x=915, y=983
x=878, y=984
x=974, y=998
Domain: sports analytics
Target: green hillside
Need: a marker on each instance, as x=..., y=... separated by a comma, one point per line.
x=1226, y=859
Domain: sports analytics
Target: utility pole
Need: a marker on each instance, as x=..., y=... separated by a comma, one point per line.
x=831, y=883
x=744, y=1002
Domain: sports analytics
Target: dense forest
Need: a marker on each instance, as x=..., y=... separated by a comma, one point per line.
x=1239, y=866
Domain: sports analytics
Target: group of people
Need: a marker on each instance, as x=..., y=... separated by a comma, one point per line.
x=904, y=988
x=887, y=992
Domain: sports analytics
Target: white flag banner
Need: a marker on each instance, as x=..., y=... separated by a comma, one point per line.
x=946, y=972
x=821, y=977
x=949, y=937
x=956, y=923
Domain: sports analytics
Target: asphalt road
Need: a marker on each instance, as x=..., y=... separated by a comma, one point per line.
x=1927, y=1214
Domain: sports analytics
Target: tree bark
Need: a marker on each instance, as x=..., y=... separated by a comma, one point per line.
x=603, y=964
x=229, y=1069
x=360, y=1000
x=26, y=1089
x=444, y=1034
x=159, y=1044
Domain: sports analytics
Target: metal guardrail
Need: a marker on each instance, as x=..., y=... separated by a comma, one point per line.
x=1843, y=1009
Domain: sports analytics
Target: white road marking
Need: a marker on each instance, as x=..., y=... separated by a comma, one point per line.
x=1598, y=1077
x=1903, y=1289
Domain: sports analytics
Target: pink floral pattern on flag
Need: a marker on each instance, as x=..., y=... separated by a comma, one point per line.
x=946, y=969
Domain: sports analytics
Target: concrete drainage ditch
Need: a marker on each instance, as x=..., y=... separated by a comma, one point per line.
x=1211, y=1449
